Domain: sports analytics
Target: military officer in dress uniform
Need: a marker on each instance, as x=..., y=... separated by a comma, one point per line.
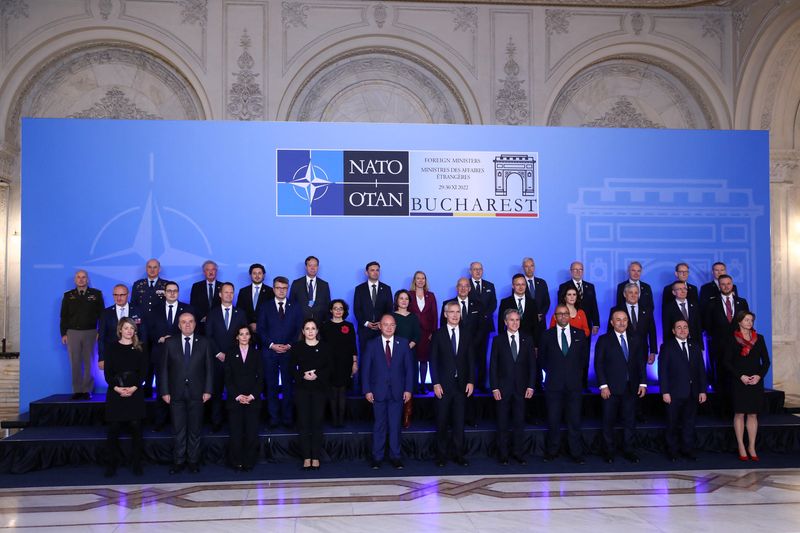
x=148, y=293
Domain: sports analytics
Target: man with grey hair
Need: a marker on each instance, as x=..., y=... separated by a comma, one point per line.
x=148, y=292
x=205, y=294
x=645, y=290
x=81, y=308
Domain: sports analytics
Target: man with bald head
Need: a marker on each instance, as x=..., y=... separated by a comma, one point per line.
x=148, y=293
x=387, y=378
x=81, y=308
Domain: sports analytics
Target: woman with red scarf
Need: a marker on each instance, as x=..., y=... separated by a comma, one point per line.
x=747, y=361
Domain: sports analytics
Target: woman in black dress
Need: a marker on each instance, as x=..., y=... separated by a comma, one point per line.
x=747, y=361
x=125, y=371
x=310, y=363
x=340, y=336
x=244, y=380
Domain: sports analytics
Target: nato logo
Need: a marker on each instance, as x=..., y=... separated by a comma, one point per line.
x=342, y=183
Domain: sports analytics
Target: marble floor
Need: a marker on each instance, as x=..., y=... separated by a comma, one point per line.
x=726, y=500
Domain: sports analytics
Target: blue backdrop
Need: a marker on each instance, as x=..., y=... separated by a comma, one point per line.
x=105, y=196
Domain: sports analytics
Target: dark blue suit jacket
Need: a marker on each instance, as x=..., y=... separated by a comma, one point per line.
x=272, y=329
x=198, y=299
x=444, y=364
x=488, y=300
x=645, y=327
x=542, y=301
x=299, y=296
x=672, y=312
x=511, y=376
x=645, y=294
x=387, y=383
x=473, y=321
x=610, y=366
x=362, y=303
x=222, y=339
x=108, y=327
x=158, y=326
x=528, y=324
x=564, y=372
x=679, y=377
x=244, y=300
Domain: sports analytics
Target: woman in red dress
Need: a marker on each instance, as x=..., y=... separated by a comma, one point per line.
x=423, y=304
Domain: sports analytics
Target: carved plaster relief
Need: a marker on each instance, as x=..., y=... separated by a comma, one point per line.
x=706, y=36
x=24, y=21
x=567, y=31
x=307, y=25
x=107, y=80
x=628, y=93
x=512, y=68
x=183, y=21
x=379, y=85
x=245, y=67
x=453, y=28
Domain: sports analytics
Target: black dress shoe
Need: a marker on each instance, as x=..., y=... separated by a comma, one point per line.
x=176, y=469
x=578, y=459
x=110, y=471
x=672, y=458
x=519, y=459
x=461, y=461
x=440, y=462
x=397, y=464
x=630, y=456
x=87, y=395
x=503, y=460
x=549, y=457
x=374, y=464
x=608, y=458
x=77, y=396
x=194, y=468
x=247, y=468
x=689, y=455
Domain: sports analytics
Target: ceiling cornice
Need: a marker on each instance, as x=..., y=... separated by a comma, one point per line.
x=626, y=4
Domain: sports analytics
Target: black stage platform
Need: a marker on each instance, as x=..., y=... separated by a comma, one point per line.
x=63, y=432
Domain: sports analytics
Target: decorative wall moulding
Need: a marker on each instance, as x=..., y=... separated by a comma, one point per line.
x=628, y=4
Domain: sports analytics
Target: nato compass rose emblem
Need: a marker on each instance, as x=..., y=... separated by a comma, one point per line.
x=310, y=182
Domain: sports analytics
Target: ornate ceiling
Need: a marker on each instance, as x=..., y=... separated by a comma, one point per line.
x=637, y=4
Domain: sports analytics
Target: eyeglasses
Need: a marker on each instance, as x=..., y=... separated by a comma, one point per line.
x=562, y=314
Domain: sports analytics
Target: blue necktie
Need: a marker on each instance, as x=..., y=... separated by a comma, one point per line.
x=210, y=294
x=187, y=349
x=531, y=289
x=170, y=316
x=453, y=340
x=256, y=290
x=227, y=318
x=624, y=346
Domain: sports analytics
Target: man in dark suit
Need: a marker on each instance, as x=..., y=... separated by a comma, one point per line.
x=682, y=381
x=251, y=297
x=621, y=376
x=162, y=323
x=645, y=290
x=680, y=307
x=279, y=323
x=681, y=274
x=529, y=313
x=371, y=300
x=641, y=322
x=222, y=324
x=563, y=353
x=387, y=370
x=186, y=381
x=512, y=377
x=311, y=293
x=482, y=291
x=205, y=294
x=452, y=376
x=110, y=318
x=711, y=289
x=148, y=292
x=537, y=289
x=588, y=298
x=719, y=326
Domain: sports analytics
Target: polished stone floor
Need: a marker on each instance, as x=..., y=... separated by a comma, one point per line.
x=728, y=500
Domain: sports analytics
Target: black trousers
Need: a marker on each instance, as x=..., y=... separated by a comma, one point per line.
x=681, y=413
x=450, y=412
x=310, y=406
x=564, y=404
x=511, y=406
x=338, y=398
x=622, y=404
x=217, y=403
x=112, y=441
x=243, y=443
x=187, y=423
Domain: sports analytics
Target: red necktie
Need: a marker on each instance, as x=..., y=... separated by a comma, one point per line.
x=728, y=309
x=388, y=354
